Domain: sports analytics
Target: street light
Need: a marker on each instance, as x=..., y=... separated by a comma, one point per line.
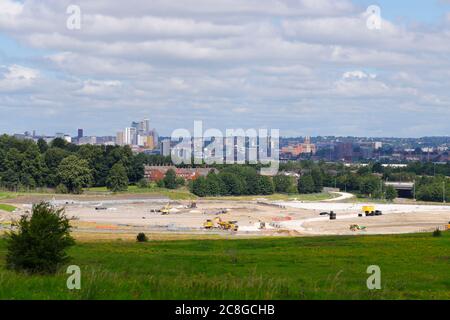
x=443, y=192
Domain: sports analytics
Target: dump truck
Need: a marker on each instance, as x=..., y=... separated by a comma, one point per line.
x=370, y=211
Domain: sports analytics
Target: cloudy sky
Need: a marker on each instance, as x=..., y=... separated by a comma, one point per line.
x=306, y=67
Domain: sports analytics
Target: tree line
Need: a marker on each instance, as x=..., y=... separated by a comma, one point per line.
x=26, y=165
x=233, y=180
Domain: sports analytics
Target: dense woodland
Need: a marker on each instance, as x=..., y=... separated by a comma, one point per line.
x=26, y=165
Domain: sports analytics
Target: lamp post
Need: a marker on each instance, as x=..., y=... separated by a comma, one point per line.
x=443, y=192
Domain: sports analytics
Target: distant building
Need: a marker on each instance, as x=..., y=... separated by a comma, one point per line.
x=302, y=148
x=80, y=133
x=344, y=151
x=139, y=136
x=129, y=137
x=156, y=173
x=87, y=140
x=165, y=148
x=120, y=140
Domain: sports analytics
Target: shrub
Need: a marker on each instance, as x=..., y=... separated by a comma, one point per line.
x=39, y=244
x=141, y=237
x=143, y=183
x=160, y=183
x=437, y=233
x=61, y=189
x=170, y=179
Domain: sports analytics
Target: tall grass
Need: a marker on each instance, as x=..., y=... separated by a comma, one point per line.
x=413, y=267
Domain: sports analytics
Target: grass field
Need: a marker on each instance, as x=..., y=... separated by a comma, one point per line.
x=185, y=194
x=412, y=267
x=7, y=207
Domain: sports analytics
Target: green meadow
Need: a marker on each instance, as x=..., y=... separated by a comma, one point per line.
x=413, y=266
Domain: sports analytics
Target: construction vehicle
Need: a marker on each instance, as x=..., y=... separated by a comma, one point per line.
x=166, y=209
x=332, y=215
x=208, y=224
x=226, y=225
x=356, y=227
x=192, y=205
x=370, y=211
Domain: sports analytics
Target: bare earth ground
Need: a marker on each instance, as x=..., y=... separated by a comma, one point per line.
x=127, y=215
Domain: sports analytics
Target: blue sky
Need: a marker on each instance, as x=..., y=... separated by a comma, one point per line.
x=283, y=64
x=424, y=11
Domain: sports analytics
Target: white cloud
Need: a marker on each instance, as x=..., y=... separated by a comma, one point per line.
x=358, y=74
x=10, y=8
x=180, y=60
x=96, y=87
x=16, y=77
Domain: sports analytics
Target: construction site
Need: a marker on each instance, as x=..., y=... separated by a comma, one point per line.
x=126, y=216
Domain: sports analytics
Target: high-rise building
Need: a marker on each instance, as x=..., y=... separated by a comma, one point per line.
x=165, y=147
x=344, y=151
x=80, y=133
x=120, y=138
x=130, y=136
x=146, y=126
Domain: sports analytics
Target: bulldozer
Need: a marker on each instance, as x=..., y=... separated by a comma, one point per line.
x=208, y=224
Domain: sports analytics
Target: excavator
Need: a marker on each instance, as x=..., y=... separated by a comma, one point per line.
x=166, y=209
x=221, y=224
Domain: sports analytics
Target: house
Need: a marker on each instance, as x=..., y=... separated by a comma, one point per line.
x=156, y=173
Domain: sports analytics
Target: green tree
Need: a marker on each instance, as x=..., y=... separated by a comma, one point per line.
x=42, y=145
x=39, y=244
x=233, y=185
x=306, y=185
x=170, y=179
x=75, y=174
x=318, y=180
x=59, y=143
x=117, y=179
x=265, y=185
x=283, y=183
x=200, y=187
x=369, y=185
x=391, y=193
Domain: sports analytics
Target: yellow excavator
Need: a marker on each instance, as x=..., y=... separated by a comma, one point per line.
x=220, y=224
x=166, y=209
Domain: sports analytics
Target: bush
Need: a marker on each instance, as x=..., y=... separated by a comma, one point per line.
x=39, y=244
x=437, y=233
x=61, y=189
x=170, y=179
x=143, y=183
x=141, y=237
x=160, y=183
x=391, y=193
